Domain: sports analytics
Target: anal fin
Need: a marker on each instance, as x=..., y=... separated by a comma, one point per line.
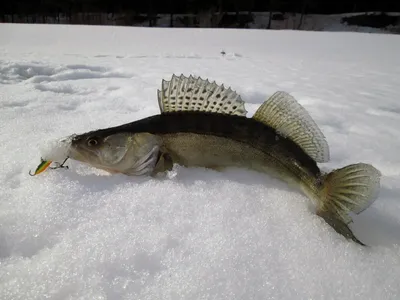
x=339, y=226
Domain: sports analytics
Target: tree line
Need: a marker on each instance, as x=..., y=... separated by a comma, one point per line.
x=39, y=11
x=194, y=6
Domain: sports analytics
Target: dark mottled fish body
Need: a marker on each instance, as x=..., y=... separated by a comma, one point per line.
x=205, y=125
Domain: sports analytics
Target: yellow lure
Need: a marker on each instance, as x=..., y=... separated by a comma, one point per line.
x=44, y=164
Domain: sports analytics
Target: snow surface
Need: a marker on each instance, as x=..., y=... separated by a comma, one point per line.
x=199, y=234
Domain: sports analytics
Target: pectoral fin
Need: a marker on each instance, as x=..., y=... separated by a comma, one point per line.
x=164, y=163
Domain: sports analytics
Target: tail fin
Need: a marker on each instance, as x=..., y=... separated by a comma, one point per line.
x=350, y=189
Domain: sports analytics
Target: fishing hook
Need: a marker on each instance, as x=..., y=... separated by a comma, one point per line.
x=61, y=166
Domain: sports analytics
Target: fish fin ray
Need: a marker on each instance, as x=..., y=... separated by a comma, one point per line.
x=164, y=163
x=283, y=113
x=342, y=192
x=196, y=94
x=339, y=226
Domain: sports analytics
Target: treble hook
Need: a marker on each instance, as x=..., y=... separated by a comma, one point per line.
x=61, y=166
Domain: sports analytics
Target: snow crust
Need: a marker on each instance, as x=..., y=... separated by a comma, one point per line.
x=197, y=234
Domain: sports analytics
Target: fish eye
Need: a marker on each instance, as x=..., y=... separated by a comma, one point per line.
x=92, y=142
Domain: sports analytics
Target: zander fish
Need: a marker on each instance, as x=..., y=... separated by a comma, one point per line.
x=203, y=124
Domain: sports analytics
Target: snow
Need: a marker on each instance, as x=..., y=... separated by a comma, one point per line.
x=198, y=234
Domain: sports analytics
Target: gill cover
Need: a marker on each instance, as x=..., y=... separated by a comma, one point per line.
x=145, y=148
x=130, y=154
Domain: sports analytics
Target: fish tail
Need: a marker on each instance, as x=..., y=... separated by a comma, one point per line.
x=351, y=189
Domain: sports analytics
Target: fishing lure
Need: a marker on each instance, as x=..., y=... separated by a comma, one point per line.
x=44, y=164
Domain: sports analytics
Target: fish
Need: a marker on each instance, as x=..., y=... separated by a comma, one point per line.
x=205, y=124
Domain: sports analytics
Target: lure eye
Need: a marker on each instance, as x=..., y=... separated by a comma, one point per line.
x=92, y=142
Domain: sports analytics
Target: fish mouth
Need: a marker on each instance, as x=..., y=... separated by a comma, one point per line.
x=77, y=151
x=82, y=154
x=89, y=157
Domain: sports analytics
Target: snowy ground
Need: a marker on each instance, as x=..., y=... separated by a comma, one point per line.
x=82, y=234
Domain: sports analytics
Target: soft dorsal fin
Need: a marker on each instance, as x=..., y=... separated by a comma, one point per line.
x=283, y=113
x=195, y=94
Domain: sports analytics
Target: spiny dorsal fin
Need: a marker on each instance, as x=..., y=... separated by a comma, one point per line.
x=195, y=94
x=282, y=112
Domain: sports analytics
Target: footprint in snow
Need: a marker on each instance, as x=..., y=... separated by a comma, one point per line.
x=15, y=72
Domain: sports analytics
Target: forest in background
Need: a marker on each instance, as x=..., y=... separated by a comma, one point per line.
x=190, y=13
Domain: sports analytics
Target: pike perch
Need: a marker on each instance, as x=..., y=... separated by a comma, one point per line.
x=203, y=124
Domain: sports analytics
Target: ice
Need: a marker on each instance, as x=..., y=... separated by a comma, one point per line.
x=82, y=233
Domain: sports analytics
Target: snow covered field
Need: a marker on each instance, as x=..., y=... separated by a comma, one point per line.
x=199, y=234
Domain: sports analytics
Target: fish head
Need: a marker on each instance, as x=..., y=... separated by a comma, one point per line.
x=97, y=149
x=128, y=153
